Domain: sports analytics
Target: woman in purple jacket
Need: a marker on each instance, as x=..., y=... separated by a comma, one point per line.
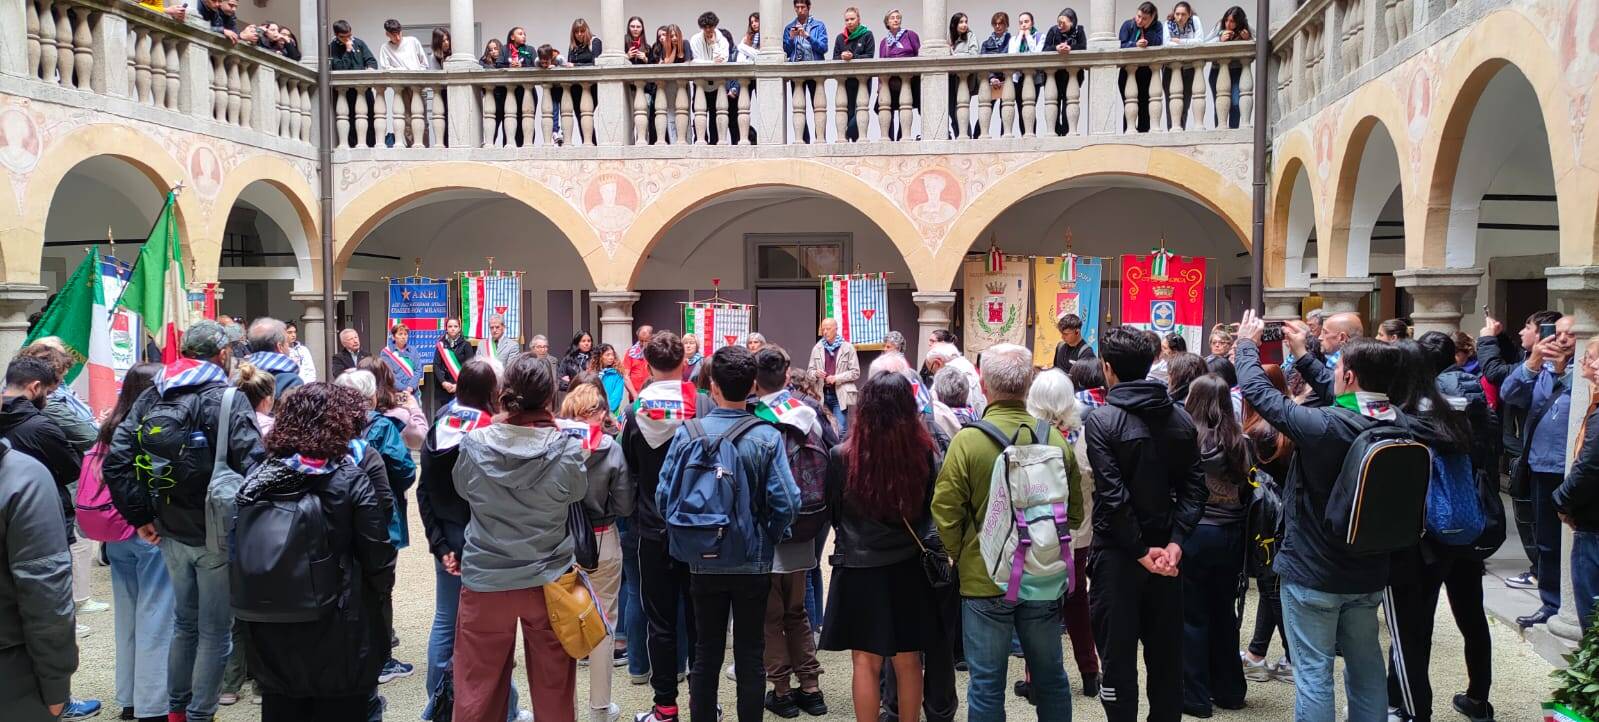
x=899, y=42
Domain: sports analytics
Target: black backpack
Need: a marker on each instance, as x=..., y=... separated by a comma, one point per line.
x=1493, y=512
x=172, y=456
x=282, y=569
x=1265, y=523
x=807, y=461
x=1380, y=496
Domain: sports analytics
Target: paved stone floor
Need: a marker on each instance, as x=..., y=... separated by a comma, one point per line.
x=1521, y=677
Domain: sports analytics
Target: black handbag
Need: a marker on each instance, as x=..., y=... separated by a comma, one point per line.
x=585, y=548
x=935, y=561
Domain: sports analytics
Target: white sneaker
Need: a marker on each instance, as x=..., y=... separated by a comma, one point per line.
x=1283, y=671
x=84, y=630
x=728, y=673
x=608, y=713
x=525, y=715
x=1254, y=671
x=91, y=606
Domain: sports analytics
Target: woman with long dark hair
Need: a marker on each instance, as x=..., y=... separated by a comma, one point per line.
x=880, y=604
x=445, y=514
x=1272, y=453
x=324, y=667
x=576, y=360
x=1233, y=28
x=1183, y=368
x=608, y=366
x=961, y=46
x=1213, y=554
x=518, y=476
x=140, y=587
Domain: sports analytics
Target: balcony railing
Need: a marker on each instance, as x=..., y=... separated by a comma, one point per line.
x=1327, y=48
x=980, y=99
x=119, y=50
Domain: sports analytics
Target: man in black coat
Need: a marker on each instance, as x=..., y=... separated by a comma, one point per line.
x=29, y=382
x=1149, y=493
x=349, y=354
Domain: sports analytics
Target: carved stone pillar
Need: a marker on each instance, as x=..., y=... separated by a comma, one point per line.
x=1576, y=293
x=15, y=300
x=933, y=312
x=1284, y=304
x=1340, y=295
x=1439, y=295
x=616, y=316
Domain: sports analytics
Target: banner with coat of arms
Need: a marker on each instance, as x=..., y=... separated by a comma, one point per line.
x=421, y=304
x=490, y=293
x=859, y=302
x=1165, y=293
x=1062, y=287
x=717, y=324
x=996, y=303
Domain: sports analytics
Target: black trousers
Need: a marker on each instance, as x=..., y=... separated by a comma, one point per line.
x=1141, y=79
x=939, y=699
x=1129, y=606
x=282, y=708
x=1268, y=616
x=1520, y=490
x=663, y=589
x=715, y=597
x=1212, y=565
x=851, y=132
x=1412, y=600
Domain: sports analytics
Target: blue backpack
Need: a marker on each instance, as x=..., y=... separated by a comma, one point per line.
x=1454, y=514
x=710, y=513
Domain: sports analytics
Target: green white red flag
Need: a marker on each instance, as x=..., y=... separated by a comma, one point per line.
x=157, y=290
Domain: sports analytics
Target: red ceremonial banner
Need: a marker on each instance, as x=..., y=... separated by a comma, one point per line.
x=1173, y=302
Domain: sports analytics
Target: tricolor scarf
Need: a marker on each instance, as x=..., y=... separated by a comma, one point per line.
x=996, y=260
x=455, y=423
x=661, y=408
x=591, y=436
x=636, y=351
x=783, y=408
x=963, y=414
x=307, y=465
x=404, y=363
x=1159, y=259
x=1068, y=268
x=451, y=363
x=1370, y=404
x=274, y=362
x=186, y=372
x=857, y=32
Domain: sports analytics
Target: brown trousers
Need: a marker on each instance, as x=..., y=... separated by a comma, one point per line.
x=485, y=653
x=790, y=647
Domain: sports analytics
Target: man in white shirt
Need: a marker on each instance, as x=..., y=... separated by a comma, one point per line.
x=300, y=353
x=404, y=53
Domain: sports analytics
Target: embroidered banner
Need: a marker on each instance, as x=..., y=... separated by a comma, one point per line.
x=717, y=324
x=996, y=303
x=421, y=304
x=490, y=293
x=1055, y=296
x=859, y=302
x=1169, y=302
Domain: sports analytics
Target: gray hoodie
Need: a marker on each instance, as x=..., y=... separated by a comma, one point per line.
x=519, y=482
x=38, y=652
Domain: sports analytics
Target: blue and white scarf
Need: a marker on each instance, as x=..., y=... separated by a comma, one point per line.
x=893, y=39
x=186, y=372
x=274, y=362
x=66, y=396
x=833, y=345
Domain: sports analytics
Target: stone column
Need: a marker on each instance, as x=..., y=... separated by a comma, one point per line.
x=312, y=42
x=1576, y=293
x=463, y=36
x=264, y=108
x=194, y=89
x=1101, y=25
x=15, y=300
x=313, y=325
x=772, y=22
x=935, y=86
x=1439, y=295
x=616, y=316
x=110, y=74
x=612, y=30
x=13, y=38
x=935, y=18
x=1342, y=294
x=933, y=312
x=1284, y=304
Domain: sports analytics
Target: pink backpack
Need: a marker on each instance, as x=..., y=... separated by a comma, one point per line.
x=97, y=516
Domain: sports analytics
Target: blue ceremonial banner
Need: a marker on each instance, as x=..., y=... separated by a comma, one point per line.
x=1062, y=287
x=422, y=305
x=1090, y=277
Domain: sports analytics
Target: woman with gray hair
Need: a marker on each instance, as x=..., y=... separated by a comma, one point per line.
x=1053, y=398
x=952, y=408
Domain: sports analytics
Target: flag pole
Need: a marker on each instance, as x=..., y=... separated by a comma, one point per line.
x=172, y=199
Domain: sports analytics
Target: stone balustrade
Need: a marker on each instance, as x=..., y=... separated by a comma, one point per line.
x=985, y=100
x=121, y=50
x=1327, y=48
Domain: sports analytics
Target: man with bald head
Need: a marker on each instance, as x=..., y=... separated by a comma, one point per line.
x=1336, y=330
x=834, y=361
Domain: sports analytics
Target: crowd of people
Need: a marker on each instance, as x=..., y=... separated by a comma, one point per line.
x=252, y=516
x=222, y=17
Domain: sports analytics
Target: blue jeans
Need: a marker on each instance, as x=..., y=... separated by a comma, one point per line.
x=987, y=626
x=1585, y=573
x=1319, y=627
x=634, y=626
x=830, y=402
x=141, y=592
x=441, y=639
x=202, y=635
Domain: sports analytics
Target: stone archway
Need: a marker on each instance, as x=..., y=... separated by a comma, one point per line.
x=1294, y=211
x=296, y=213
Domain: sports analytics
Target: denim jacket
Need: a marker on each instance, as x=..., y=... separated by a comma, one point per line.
x=1547, y=400
x=777, y=501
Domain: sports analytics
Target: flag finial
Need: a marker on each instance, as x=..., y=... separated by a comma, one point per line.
x=491, y=262
x=418, y=270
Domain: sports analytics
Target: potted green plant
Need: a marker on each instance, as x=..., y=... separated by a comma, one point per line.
x=1576, y=694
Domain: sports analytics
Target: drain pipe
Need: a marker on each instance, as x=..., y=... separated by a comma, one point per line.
x=324, y=158
x=1257, y=240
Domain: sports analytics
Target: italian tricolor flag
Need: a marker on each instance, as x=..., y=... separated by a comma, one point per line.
x=157, y=290
x=451, y=363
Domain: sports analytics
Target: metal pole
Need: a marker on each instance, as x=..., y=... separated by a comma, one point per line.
x=1257, y=240
x=324, y=153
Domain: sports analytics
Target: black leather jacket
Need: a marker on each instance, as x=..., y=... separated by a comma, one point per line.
x=865, y=542
x=1149, y=488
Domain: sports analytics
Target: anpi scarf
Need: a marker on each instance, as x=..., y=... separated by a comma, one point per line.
x=1370, y=404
